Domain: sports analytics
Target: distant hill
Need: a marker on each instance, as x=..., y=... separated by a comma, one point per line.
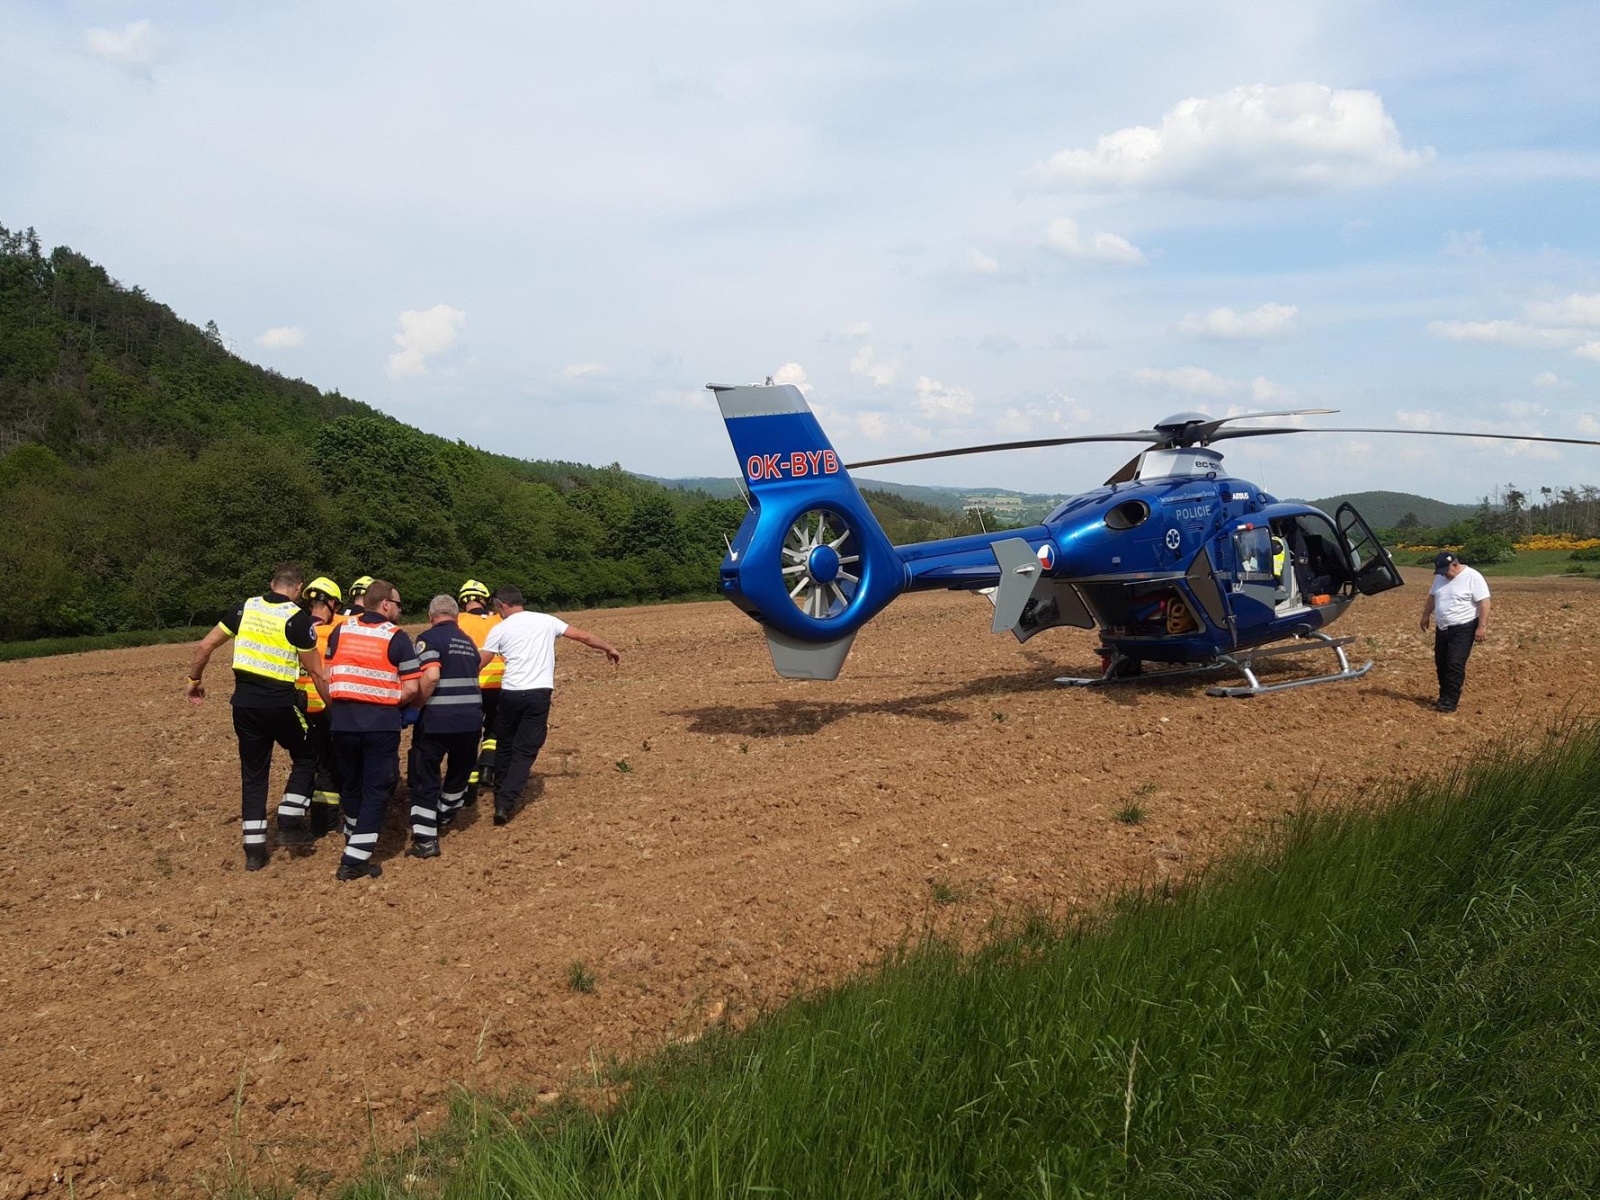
x=1018, y=507
x=1384, y=510
x=151, y=478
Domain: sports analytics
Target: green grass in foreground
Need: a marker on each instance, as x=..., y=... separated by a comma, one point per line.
x=1400, y=1002
x=46, y=647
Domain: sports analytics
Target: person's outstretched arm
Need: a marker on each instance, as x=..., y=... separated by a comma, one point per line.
x=594, y=642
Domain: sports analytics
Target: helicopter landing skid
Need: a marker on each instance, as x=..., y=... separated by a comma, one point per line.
x=1244, y=662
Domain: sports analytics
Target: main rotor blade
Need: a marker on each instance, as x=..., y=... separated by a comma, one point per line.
x=1143, y=435
x=1498, y=437
x=1211, y=427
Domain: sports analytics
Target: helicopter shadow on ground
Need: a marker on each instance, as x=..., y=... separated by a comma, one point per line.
x=802, y=718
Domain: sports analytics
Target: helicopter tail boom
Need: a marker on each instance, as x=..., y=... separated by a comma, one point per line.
x=810, y=563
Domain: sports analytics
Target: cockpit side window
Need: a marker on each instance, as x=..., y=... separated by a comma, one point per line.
x=1252, y=551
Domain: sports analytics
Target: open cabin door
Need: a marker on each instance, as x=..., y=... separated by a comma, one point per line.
x=1374, y=571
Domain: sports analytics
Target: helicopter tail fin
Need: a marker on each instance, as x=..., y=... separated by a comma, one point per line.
x=810, y=562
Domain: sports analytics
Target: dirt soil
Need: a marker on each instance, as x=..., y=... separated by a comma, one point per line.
x=705, y=839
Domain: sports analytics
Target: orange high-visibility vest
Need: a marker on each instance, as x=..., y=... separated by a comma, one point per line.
x=314, y=702
x=476, y=626
x=360, y=668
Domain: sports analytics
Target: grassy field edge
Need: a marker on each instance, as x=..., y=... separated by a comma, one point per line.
x=1396, y=999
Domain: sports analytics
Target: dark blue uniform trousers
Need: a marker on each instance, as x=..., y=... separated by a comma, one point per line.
x=524, y=719
x=1451, y=648
x=368, y=764
x=457, y=753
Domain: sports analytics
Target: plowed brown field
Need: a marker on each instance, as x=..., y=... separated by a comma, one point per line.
x=166, y=1015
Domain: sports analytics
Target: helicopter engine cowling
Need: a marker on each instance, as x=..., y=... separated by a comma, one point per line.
x=810, y=562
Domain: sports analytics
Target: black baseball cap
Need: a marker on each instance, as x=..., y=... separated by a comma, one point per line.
x=1443, y=561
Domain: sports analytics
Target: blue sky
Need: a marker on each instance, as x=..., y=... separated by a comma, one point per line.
x=543, y=228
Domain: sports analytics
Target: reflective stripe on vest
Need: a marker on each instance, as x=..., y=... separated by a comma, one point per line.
x=454, y=691
x=476, y=626
x=314, y=702
x=261, y=647
x=360, y=668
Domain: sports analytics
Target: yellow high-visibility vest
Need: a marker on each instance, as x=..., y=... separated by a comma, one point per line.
x=476, y=626
x=314, y=702
x=261, y=647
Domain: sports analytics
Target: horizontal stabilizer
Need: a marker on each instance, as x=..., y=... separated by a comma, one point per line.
x=794, y=659
x=1026, y=599
x=1020, y=569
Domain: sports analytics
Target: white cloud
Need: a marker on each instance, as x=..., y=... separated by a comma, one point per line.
x=1503, y=333
x=1057, y=415
x=1064, y=238
x=1589, y=350
x=1254, y=140
x=1588, y=426
x=1191, y=381
x=584, y=370
x=852, y=332
x=792, y=373
x=873, y=424
x=1465, y=245
x=979, y=263
x=937, y=401
x=1264, y=391
x=1083, y=339
x=1549, y=379
x=866, y=362
x=1520, y=413
x=1197, y=381
x=1576, y=309
x=284, y=337
x=422, y=335
x=1260, y=324
x=998, y=343
x=136, y=48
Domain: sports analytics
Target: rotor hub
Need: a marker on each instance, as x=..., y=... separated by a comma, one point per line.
x=822, y=564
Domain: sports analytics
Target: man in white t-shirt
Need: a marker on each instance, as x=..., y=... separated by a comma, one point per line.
x=1458, y=603
x=527, y=642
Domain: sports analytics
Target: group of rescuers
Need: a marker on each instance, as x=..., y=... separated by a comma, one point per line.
x=334, y=684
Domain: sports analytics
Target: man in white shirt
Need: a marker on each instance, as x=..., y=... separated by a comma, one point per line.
x=1458, y=603
x=527, y=642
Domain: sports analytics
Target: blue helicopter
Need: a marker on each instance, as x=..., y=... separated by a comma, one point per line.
x=1181, y=567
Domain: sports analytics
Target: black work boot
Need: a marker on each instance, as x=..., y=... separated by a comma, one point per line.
x=502, y=811
x=349, y=871
x=423, y=848
x=294, y=831
x=255, y=857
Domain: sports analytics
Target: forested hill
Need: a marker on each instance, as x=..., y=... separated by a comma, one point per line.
x=1386, y=510
x=148, y=478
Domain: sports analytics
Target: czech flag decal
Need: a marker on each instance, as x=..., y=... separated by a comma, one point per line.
x=1047, y=556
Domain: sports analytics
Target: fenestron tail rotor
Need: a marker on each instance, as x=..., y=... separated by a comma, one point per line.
x=821, y=564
